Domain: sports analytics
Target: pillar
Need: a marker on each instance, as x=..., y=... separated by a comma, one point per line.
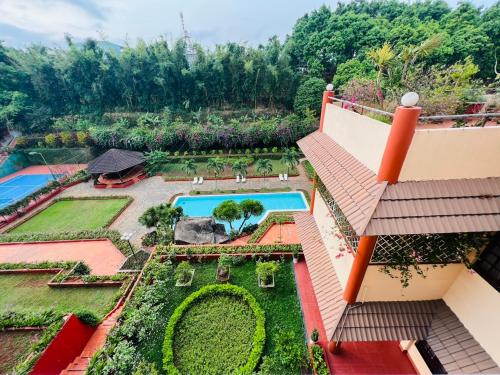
x=398, y=143
x=327, y=94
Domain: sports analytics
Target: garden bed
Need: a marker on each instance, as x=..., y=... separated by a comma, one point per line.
x=15, y=346
x=71, y=214
x=145, y=317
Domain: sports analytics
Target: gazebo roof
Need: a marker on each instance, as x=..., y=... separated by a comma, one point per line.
x=115, y=160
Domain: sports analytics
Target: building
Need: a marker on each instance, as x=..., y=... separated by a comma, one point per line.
x=394, y=195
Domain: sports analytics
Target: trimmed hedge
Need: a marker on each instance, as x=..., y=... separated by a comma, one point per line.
x=267, y=223
x=259, y=338
x=212, y=249
x=32, y=266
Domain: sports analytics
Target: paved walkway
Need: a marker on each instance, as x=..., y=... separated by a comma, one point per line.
x=286, y=233
x=102, y=257
x=154, y=191
x=354, y=357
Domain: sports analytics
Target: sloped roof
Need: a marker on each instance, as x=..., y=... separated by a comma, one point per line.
x=442, y=206
x=433, y=321
x=115, y=160
x=326, y=285
x=353, y=186
x=412, y=207
x=199, y=230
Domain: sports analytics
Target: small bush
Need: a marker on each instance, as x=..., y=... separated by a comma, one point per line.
x=81, y=269
x=266, y=270
x=183, y=272
x=88, y=317
x=318, y=360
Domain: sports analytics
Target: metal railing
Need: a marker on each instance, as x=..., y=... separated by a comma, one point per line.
x=421, y=118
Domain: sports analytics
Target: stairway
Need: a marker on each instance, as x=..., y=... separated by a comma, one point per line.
x=96, y=342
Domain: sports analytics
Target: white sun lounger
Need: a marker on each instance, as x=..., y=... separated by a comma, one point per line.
x=285, y=176
x=195, y=180
x=200, y=180
x=281, y=177
x=243, y=179
x=238, y=178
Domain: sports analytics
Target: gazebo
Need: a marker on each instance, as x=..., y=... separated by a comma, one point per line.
x=117, y=168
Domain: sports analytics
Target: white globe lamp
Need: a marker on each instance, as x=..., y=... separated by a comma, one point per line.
x=329, y=87
x=409, y=99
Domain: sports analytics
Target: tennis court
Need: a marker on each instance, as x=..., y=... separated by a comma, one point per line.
x=21, y=186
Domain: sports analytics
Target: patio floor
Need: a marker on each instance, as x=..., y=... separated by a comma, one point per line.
x=101, y=256
x=354, y=357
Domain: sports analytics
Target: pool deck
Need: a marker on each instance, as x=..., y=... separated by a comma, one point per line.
x=101, y=256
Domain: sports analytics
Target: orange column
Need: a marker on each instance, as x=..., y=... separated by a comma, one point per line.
x=326, y=99
x=313, y=194
x=399, y=141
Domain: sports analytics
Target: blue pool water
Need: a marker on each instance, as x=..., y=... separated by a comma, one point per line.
x=20, y=186
x=203, y=205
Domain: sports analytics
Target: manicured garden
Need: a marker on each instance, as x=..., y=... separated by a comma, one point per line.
x=204, y=337
x=74, y=214
x=30, y=293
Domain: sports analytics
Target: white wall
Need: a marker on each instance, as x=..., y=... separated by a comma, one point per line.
x=415, y=357
x=440, y=154
x=328, y=229
x=378, y=286
x=477, y=305
x=362, y=136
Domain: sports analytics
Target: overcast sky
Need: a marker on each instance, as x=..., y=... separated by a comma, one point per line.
x=208, y=21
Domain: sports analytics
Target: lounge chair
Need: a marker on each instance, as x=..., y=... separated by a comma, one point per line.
x=200, y=180
x=281, y=177
x=238, y=178
x=285, y=176
x=243, y=179
x=195, y=180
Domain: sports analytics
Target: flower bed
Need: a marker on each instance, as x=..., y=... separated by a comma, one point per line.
x=267, y=223
x=198, y=341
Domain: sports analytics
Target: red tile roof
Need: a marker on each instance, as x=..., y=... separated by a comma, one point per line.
x=353, y=186
x=327, y=288
x=413, y=207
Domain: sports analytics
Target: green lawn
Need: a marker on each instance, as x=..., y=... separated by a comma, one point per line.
x=173, y=169
x=29, y=292
x=73, y=215
x=281, y=305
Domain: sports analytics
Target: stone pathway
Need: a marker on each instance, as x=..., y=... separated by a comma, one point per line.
x=154, y=191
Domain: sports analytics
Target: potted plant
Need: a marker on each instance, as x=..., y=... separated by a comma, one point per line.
x=314, y=336
x=295, y=254
x=184, y=274
x=265, y=273
x=223, y=268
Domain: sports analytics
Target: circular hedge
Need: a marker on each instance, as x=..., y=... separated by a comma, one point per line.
x=207, y=315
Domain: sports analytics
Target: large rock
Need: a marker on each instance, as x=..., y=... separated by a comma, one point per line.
x=199, y=231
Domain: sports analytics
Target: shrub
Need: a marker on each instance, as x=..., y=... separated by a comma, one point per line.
x=183, y=272
x=275, y=150
x=82, y=138
x=314, y=335
x=318, y=360
x=266, y=270
x=88, y=317
x=67, y=139
x=51, y=140
x=289, y=354
x=209, y=291
x=81, y=269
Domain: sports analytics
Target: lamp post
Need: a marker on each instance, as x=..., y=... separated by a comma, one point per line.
x=126, y=237
x=45, y=161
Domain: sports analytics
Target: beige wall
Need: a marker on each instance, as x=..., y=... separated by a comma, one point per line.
x=378, y=286
x=453, y=153
x=415, y=357
x=362, y=136
x=477, y=305
x=328, y=229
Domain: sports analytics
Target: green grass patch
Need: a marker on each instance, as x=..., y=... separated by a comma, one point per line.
x=15, y=346
x=73, y=215
x=29, y=292
x=280, y=304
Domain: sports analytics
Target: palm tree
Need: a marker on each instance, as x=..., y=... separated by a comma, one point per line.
x=240, y=167
x=411, y=53
x=381, y=57
x=189, y=167
x=215, y=165
x=290, y=159
x=264, y=167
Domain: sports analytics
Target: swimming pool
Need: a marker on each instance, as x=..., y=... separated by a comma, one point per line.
x=203, y=205
x=21, y=186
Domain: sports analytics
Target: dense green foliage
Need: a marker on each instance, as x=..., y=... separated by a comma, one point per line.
x=140, y=336
x=40, y=83
x=214, y=249
x=318, y=360
x=197, y=340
